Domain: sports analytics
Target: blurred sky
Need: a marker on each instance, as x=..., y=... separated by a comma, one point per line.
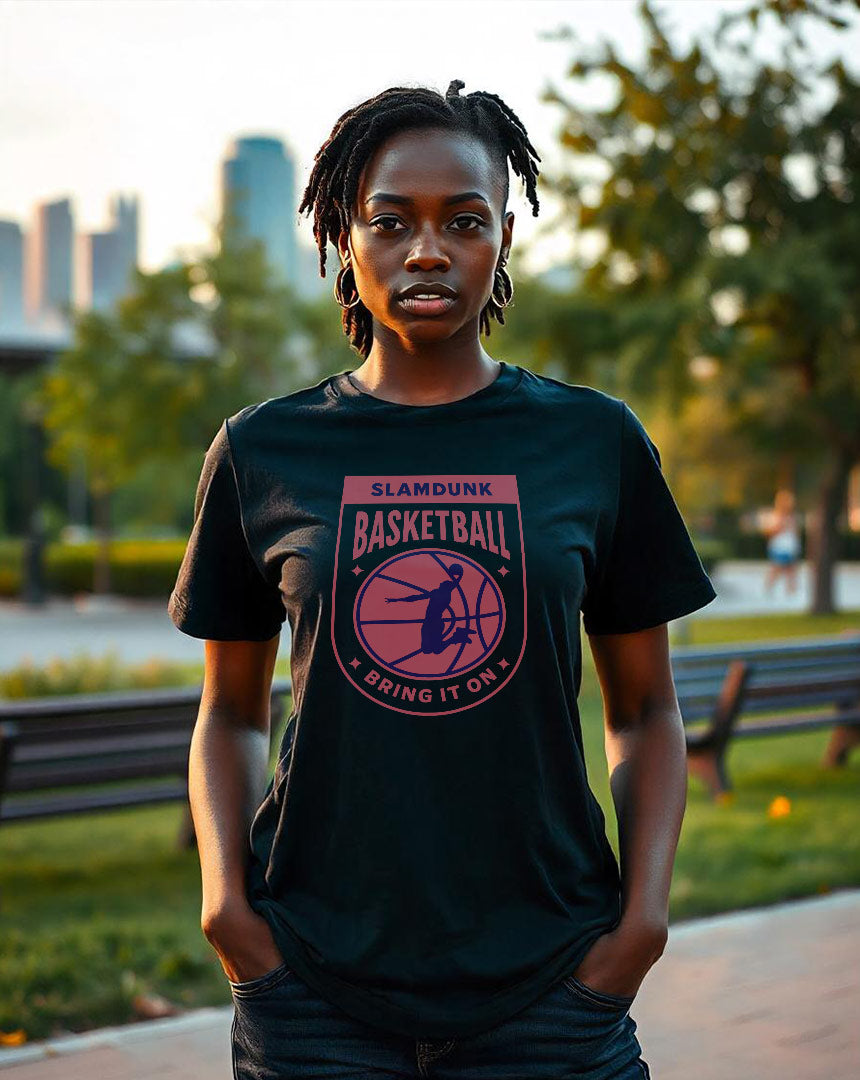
x=99, y=96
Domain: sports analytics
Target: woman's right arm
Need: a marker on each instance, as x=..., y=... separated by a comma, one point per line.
x=227, y=778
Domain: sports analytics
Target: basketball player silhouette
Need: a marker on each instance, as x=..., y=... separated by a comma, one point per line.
x=438, y=602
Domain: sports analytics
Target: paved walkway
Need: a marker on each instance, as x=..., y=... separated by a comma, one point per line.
x=768, y=994
x=140, y=629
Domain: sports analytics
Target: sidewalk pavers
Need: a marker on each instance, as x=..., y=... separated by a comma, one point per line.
x=766, y=994
x=195, y=1046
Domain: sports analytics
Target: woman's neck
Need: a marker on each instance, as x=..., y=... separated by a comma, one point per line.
x=432, y=377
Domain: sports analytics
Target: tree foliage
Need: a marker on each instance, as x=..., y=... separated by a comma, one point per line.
x=724, y=188
x=150, y=381
x=154, y=377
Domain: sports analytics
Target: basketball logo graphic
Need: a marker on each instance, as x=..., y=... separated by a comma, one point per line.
x=428, y=599
x=462, y=613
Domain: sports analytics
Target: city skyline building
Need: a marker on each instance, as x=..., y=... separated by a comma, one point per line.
x=258, y=200
x=11, y=276
x=48, y=264
x=111, y=255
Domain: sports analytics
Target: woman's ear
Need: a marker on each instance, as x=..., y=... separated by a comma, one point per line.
x=343, y=247
x=508, y=233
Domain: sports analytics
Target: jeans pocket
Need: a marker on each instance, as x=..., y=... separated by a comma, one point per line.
x=597, y=998
x=261, y=983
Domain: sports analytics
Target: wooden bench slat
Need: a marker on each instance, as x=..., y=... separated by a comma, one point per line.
x=800, y=722
x=831, y=643
x=92, y=748
x=122, y=702
x=74, y=773
x=769, y=703
x=53, y=750
x=791, y=685
x=23, y=808
x=32, y=731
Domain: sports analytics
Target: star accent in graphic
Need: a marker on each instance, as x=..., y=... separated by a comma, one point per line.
x=504, y=571
x=503, y=664
x=357, y=570
x=355, y=663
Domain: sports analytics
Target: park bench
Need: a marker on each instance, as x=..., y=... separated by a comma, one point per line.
x=766, y=688
x=89, y=752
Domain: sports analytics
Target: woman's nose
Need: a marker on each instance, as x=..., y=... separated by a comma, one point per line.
x=427, y=252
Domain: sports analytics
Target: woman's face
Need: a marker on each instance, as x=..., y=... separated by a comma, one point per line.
x=428, y=212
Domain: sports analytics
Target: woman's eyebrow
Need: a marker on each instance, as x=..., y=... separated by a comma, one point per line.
x=464, y=196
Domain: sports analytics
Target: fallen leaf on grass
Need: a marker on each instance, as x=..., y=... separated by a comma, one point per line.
x=779, y=807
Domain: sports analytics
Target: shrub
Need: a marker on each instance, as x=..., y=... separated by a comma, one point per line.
x=139, y=568
x=84, y=673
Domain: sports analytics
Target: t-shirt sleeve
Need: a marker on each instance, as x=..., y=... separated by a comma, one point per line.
x=220, y=591
x=650, y=573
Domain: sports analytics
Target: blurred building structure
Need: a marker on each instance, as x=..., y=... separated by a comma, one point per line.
x=11, y=276
x=110, y=257
x=258, y=201
x=48, y=267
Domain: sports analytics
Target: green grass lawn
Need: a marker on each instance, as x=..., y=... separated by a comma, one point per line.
x=98, y=908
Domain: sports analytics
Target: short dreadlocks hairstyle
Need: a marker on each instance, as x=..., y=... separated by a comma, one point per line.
x=333, y=184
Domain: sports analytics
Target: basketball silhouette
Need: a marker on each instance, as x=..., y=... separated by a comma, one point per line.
x=429, y=613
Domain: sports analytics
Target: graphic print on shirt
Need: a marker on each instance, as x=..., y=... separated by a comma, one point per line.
x=429, y=591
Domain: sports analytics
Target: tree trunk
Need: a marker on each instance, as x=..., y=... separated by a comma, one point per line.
x=832, y=497
x=101, y=570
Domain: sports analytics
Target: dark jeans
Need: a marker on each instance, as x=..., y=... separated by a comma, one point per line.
x=283, y=1030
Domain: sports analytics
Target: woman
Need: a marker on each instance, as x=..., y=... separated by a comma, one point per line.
x=783, y=541
x=425, y=887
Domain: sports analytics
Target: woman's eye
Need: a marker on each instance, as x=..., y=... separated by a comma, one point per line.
x=384, y=218
x=389, y=223
x=476, y=221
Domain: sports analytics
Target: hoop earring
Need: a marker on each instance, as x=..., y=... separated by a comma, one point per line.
x=503, y=284
x=338, y=288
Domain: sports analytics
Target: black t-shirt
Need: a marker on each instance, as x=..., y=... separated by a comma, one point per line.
x=429, y=853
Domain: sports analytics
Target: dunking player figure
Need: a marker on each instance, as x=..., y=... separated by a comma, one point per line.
x=438, y=602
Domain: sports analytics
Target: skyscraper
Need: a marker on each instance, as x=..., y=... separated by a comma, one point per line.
x=48, y=275
x=125, y=212
x=101, y=269
x=258, y=194
x=11, y=276
x=111, y=256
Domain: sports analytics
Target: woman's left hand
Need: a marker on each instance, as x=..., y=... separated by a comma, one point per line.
x=619, y=960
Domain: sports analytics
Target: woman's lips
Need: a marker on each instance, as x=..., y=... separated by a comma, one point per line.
x=437, y=306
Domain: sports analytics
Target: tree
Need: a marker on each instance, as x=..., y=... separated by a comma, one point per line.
x=250, y=317
x=151, y=380
x=727, y=200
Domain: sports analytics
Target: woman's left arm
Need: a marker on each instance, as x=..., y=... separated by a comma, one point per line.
x=647, y=758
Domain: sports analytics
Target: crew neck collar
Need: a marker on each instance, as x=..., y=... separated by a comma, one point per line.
x=505, y=382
